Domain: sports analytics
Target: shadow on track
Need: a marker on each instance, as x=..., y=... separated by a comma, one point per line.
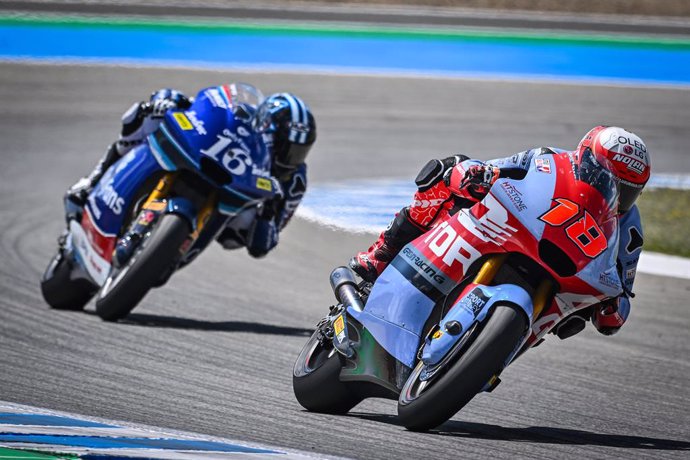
x=174, y=322
x=540, y=434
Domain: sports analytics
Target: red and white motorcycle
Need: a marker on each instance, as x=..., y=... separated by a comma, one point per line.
x=461, y=302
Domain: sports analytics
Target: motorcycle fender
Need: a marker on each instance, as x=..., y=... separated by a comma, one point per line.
x=471, y=308
x=182, y=207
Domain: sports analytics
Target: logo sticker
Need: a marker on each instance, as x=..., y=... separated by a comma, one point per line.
x=183, y=121
x=543, y=165
x=198, y=124
x=264, y=184
x=339, y=327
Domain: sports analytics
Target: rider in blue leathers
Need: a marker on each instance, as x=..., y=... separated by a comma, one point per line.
x=453, y=183
x=288, y=129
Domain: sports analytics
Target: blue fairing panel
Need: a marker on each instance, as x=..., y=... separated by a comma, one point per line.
x=474, y=307
x=395, y=314
x=114, y=193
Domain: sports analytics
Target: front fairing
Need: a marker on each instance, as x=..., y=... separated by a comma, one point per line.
x=215, y=138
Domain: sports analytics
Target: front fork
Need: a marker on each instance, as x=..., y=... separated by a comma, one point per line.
x=488, y=272
x=156, y=204
x=540, y=298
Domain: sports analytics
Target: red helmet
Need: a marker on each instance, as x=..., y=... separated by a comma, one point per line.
x=628, y=156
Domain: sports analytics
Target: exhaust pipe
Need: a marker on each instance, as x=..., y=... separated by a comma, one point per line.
x=345, y=288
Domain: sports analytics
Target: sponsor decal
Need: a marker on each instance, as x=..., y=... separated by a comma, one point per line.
x=514, y=195
x=632, y=164
x=543, y=165
x=94, y=206
x=242, y=131
x=216, y=99
x=423, y=266
x=111, y=198
x=339, y=327
x=182, y=121
x=610, y=279
x=264, y=184
x=630, y=150
x=198, y=124
x=488, y=221
x=474, y=301
x=445, y=243
x=146, y=218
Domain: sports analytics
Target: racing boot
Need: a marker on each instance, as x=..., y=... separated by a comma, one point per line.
x=76, y=195
x=369, y=264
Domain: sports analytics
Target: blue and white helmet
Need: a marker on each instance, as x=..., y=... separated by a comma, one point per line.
x=292, y=125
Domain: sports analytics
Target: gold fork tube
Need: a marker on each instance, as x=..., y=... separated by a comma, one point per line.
x=489, y=269
x=162, y=189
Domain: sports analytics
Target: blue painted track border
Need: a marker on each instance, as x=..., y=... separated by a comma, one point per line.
x=474, y=56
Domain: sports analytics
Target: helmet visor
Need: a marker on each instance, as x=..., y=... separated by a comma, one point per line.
x=628, y=195
x=295, y=155
x=596, y=171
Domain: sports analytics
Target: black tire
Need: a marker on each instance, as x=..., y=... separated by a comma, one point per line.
x=316, y=382
x=156, y=256
x=421, y=408
x=62, y=292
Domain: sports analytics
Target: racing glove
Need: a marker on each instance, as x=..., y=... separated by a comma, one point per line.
x=143, y=118
x=471, y=179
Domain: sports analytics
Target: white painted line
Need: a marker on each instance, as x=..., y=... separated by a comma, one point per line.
x=108, y=430
x=654, y=263
x=338, y=71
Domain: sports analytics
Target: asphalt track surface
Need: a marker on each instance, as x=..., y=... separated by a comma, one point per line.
x=212, y=351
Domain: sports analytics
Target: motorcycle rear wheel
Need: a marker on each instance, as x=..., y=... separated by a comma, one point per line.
x=151, y=261
x=62, y=292
x=425, y=405
x=316, y=382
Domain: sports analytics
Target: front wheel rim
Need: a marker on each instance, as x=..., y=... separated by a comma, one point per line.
x=414, y=387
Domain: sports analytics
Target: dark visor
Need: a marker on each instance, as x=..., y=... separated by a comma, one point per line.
x=296, y=154
x=628, y=196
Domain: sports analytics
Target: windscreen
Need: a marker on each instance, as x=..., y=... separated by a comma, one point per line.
x=244, y=93
x=593, y=171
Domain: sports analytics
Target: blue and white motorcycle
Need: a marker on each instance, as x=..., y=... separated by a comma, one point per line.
x=162, y=203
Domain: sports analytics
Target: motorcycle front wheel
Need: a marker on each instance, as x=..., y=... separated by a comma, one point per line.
x=155, y=257
x=316, y=379
x=425, y=404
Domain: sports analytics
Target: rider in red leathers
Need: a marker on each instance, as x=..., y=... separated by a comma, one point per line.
x=448, y=185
